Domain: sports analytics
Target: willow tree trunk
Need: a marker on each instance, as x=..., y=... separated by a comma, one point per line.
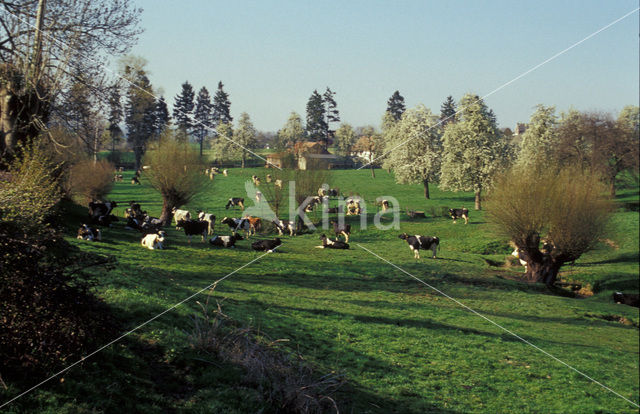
x=426, y=188
x=167, y=214
x=8, y=139
x=544, y=271
x=478, y=203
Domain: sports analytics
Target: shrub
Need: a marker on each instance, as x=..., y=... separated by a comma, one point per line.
x=91, y=180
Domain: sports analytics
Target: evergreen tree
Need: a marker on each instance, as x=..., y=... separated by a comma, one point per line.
x=183, y=108
x=203, y=116
x=395, y=106
x=316, y=124
x=473, y=149
x=162, y=120
x=448, y=111
x=245, y=135
x=115, y=116
x=332, y=114
x=418, y=148
x=139, y=113
x=221, y=106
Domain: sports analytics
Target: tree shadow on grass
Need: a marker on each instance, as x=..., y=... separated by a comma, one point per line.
x=632, y=257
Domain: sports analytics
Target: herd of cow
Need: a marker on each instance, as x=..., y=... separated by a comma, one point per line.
x=100, y=213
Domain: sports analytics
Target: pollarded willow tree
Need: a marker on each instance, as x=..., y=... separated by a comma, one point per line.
x=416, y=146
x=176, y=172
x=540, y=140
x=553, y=215
x=473, y=149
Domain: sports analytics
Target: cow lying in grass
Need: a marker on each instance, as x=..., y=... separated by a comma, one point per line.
x=266, y=245
x=630, y=299
x=87, y=233
x=332, y=244
x=153, y=241
x=225, y=241
x=285, y=225
x=457, y=213
x=421, y=242
x=194, y=228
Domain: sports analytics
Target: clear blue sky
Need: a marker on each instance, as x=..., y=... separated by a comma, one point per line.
x=271, y=55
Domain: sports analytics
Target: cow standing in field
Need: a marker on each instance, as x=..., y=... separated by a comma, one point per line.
x=235, y=201
x=180, y=215
x=342, y=229
x=194, y=228
x=418, y=242
x=457, y=213
x=285, y=225
x=236, y=224
x=209, y=218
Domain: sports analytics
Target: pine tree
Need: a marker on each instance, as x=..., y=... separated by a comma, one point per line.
x=245, y=135
x=183, y=108
x=332, y=114
x=448, y=111
x=162, y=120
x=221, y=107
x=203, y=116
x=395, y=106
x=316, y=124
x=139, y=113
x=473, y=149
x=418, y=148
x=115, y=116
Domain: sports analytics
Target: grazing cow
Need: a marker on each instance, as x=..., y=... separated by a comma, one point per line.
x=268, y=178
x=154, y=241
x=457, y=213
x=521, y=256
x=332, y=244
x=87, y=233
x=255, y=179
x=322, y=192
x=421, y=242
x=212, y=174
x=225, y=172
x=630, y=299
x=312, y=203
x=342, y=229
x=136, y=210
x=209, y=218
x=235, y=201
x=385, y=205
x=118, y=178
x=285, y=225
x=135, y=180
x=333, y=192
x=236, y=224
x=180, y=215
x=258, y=196
x=266, y=245
x=193, y=228
x=278, y=183
x=225, y=241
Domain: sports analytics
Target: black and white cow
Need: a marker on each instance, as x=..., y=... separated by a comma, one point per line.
x=342, y=229
x=418, y=242
x=180, y=215
x=87, y=233
x=225, y=241
x=285, y=225
x=98, y=209
x=106, y=220
x=194, y=228
x=209, y=218
x=630, y=299
x=457, y=213
x=334, y=210
x=332, y=244
x=235, y=201
x=236, y=224
x=521, y=257
x=266, y=245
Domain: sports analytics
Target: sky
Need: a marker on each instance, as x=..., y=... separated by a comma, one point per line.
x=271, y=55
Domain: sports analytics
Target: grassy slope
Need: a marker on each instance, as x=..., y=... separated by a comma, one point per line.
x=402, y=347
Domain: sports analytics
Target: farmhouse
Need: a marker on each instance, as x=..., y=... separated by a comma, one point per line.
x=313, y=155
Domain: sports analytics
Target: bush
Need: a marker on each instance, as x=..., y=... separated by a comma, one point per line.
x=91, y=180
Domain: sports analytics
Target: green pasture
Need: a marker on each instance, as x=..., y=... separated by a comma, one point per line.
x=401, y=346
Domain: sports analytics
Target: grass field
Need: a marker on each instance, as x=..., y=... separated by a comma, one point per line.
x=401, y=346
